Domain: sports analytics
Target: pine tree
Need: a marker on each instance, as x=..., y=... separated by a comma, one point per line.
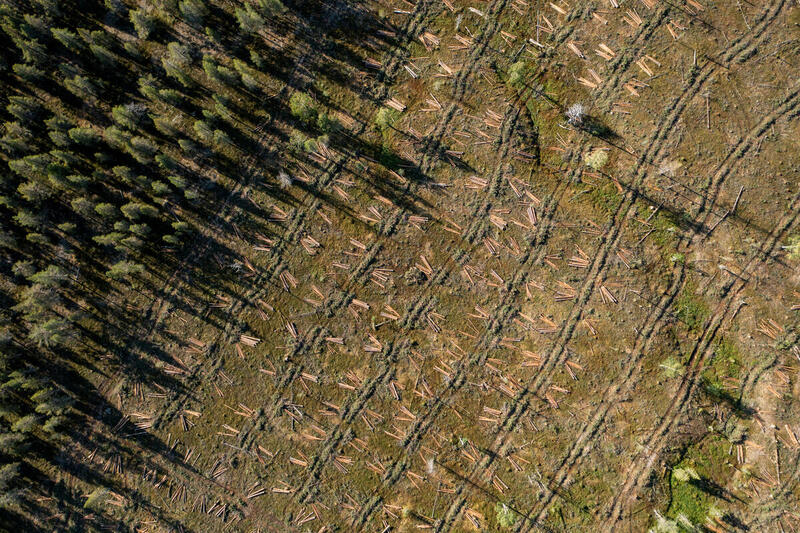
x=142, y=22
x=141, y=149
x=52, y=276
x=193, y=11
x=85, y=136
x=69, y=39
x=28, y=73
x=82, y=87
x=9, y=473
x=124, y=269
x=51, y=333
x=249, y=20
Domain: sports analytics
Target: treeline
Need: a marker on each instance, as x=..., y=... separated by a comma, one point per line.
x=124, y=126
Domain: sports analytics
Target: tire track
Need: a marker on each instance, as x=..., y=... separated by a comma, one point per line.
x=461, y=82
x=619, y=67
x=773, y=509
x=354, y=407
x=296, y=221
x=578, y=450
x=611, y=238
x=426, y=420
x=433, y=141
x=790, y=105
x=637, y=474
x=642, y=345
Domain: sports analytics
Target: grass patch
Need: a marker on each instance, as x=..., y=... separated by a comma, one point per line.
x=726, y=363
x=688, y=499
x=606, y=198
x=690, y=309
x=694, y=483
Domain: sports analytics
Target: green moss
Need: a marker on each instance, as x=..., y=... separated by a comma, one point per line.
x=606, y=198
x=667, y=227
x=694, y=480
x=687, y=498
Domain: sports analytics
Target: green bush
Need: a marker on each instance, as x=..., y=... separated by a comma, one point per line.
x=506, y=517
x=517, y=74
x=596, y=159
x=385, y=118
x=249, y=20
x=124, y=269
x=302, y=107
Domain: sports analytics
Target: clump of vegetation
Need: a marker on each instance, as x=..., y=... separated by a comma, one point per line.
x=677, y=258
x=385, y=118
x=575, y=114
x=793, y=247
x=596, y=159
x=672, y=367
x=690, y=309
x=606, y=197
x=725, y=364
x=685, y=474
x=664, y=525
x=681, y=524
x=303, y=107
x=517, y=75
x=505, y=516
